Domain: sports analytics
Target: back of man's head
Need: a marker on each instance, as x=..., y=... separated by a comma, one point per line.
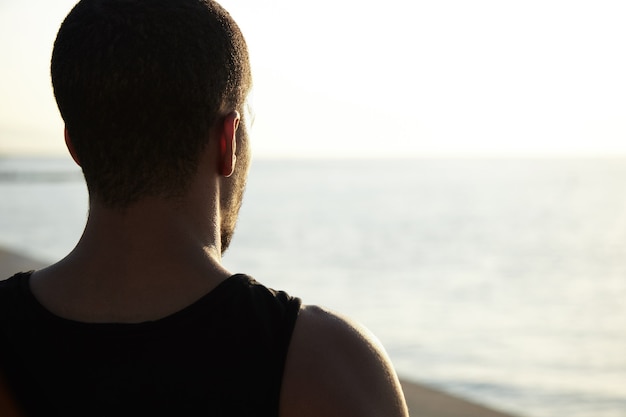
x=139, y=84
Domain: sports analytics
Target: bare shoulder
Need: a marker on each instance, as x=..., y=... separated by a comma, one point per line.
x=335, y=367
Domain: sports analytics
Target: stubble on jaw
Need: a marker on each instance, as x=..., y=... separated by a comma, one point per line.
x=234, y=189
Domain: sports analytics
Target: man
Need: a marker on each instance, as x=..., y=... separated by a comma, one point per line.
x=141, y=318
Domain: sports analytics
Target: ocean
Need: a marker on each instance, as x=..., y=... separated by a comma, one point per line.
x=500, y=280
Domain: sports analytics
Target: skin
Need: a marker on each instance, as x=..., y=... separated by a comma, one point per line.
x=159, y=256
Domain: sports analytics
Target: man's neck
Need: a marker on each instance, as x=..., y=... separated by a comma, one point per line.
x=139, y=264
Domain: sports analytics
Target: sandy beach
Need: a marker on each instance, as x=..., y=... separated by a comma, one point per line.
x=423, y=401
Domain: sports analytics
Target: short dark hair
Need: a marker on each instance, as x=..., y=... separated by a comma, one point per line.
x=140, y=84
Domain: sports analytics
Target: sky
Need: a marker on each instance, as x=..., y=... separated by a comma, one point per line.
x=347, y=78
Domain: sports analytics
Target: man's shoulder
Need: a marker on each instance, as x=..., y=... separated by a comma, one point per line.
x=336, y=367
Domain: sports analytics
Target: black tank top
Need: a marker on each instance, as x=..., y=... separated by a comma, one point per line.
x=223, y=355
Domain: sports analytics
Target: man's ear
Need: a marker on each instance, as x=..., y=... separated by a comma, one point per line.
x=228, y=144
x=70, y=146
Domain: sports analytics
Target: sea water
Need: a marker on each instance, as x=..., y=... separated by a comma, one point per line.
x=502, y=280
